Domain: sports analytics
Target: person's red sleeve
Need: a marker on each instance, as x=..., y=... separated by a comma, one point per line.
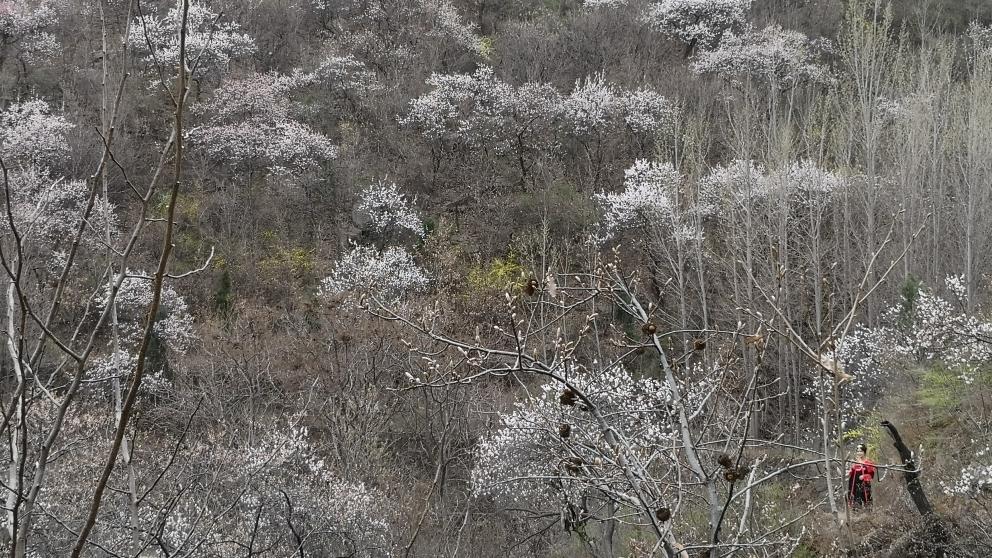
x=869, y=473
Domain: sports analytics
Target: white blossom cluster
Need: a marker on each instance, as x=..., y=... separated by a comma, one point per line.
x=461, y=106
x=974, y=480
x=893, y=109
x=31, y=135
x=210, y=43
x=387, y=274
x=250, y=123
x=279, y=471
x=387, y=211
x=531, y=458
x=595, y=4
x=939, y=330
x=24, y=24
x=481, y=108
x=173, y=327
x=446, y=23
x=746, y=182
x=264, y=95
x=375, y=37
x=697, y=21
x=781, y=57
x=805, y=179
x=653, y=197
x=741, y=179
x=344, y=73
x=930, y=330
x=46, y=210
x=595, y=105
x=647, y=196
x=981, y=38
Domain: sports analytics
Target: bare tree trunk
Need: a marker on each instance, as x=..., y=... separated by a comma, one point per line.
x=935, y=535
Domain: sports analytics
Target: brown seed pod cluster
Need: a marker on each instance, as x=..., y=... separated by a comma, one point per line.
x=698, y=344
x=757, y=340
x=568, y=397
x=573, y=465
x=731, y=473
x=564, y=430
x=663, y=514
x=649, y=328
x=531, y=287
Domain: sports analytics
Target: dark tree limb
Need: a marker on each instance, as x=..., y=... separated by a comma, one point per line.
x=935, y=536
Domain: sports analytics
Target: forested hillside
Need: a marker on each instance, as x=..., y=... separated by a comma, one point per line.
x=496, y=278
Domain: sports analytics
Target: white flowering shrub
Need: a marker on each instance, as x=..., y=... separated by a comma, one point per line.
x=446, y=23
x=373, y=35
x=700, y=22
x=739, y=180
x=173, y=324
x=174, y=328
x=803, y=181
x=24, y=27
x=210, y=42
x=46, y=211
x=597, y=106
x=606, y=4
x=981, y=39
x=934, y=329
x=747, y=183
x=285, y=147
x=279, y=473
x=545, y=452
x=592, y=104
x=780, y=57
x=893, y=110
x=250, y=123
x=461, y=107
x=271, y=486
x=342, y=73
x=647, y=111
x=388, y=274
x=31, y=135
x=926, y=329
x=265, y=96
x=974, y=480
x=650, y=198
x=385, y=211
x=647, y=196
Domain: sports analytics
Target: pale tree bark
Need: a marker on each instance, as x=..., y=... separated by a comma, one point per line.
x=120, y=435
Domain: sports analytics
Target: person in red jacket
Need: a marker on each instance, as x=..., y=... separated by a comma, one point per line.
x=859, y=479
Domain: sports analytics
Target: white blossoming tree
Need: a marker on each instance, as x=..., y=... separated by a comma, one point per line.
x=461, y=108
x=597, y=112
x=25, y=33
x=923, y=329
x=781, y=58
x=250, y=124
x=549, y=454
x=697, y=22
x=600, y=445
x=211, y=43
x=481, y=114
x=274, y=490
x=389, y=35
x=387, y=274
x=384, y=211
